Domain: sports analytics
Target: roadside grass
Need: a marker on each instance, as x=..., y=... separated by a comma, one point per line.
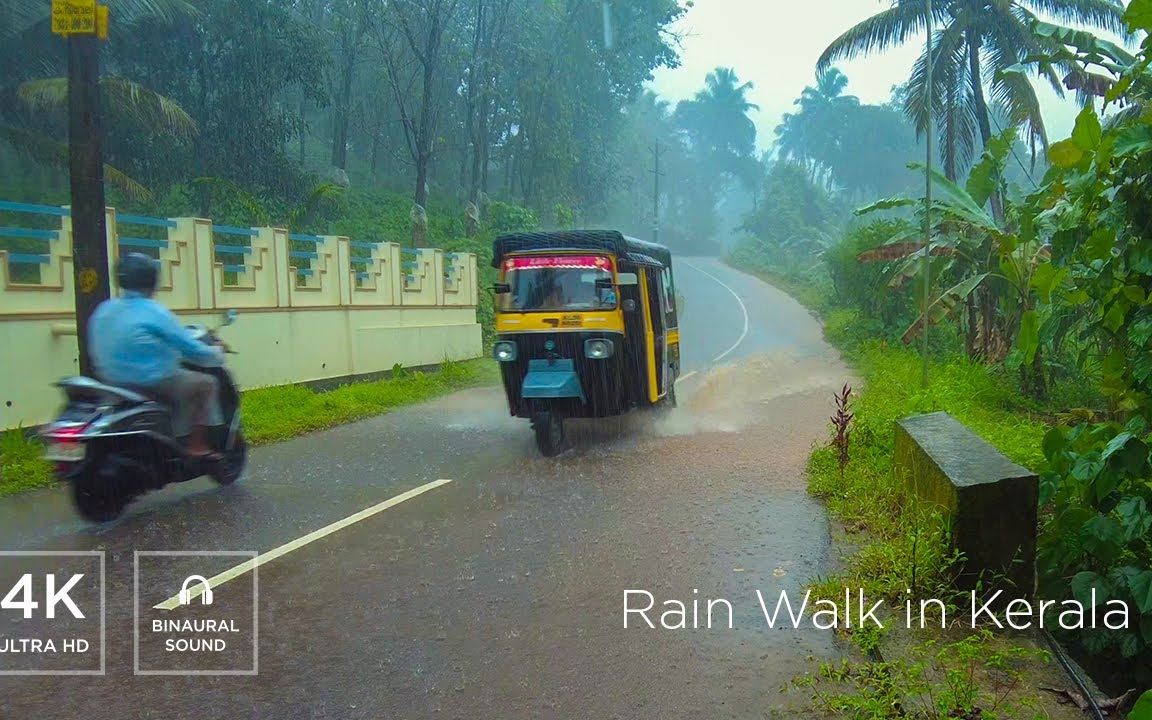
x=891, y=544
x=898, y=543
x=280, y=413
x=22, y=466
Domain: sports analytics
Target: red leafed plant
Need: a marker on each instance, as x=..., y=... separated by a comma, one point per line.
x=841, y=425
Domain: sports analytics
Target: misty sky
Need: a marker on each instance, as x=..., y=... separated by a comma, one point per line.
x=775, y=44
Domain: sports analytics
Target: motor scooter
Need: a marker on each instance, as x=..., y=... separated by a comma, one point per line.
x=113, y=444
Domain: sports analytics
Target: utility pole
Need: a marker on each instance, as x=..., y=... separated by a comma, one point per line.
x=657, y=151
x=85, y=25
x=926, y=260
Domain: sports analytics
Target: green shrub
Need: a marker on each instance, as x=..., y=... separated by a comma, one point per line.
x=864, y=286
x=503, y=217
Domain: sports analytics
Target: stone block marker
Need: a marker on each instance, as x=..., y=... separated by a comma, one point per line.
x=991, y=501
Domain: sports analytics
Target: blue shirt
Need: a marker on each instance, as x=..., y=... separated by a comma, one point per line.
x=135, y=340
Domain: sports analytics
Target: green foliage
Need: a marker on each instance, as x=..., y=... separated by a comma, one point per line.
x=904, y=545
x=789, y=231
x=1000, y=37
x=1094, y=204
x=1143, y=708
x=862, y=150
x=504, y=217
x=230, y=70
x=974, y=677
x=22, y=466
x=865, y=285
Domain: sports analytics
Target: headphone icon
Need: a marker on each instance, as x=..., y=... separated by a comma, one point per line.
x=186, y=594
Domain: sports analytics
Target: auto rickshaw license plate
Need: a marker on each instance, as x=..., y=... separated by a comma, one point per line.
x=574, y=320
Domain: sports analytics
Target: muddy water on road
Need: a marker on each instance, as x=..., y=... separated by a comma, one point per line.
x=501, y=594
x=707, y=501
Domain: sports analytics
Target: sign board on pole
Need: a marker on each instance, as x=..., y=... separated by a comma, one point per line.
x=74, y=17
x=102, y=22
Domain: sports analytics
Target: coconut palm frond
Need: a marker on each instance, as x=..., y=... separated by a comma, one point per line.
x=51, y=152
x=880, y=32
x=132, y=102
x=1103, y=14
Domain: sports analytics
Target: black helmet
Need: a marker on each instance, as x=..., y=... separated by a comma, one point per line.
x=137, y=272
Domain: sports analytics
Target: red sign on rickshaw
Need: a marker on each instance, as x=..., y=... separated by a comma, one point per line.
x=524, y=262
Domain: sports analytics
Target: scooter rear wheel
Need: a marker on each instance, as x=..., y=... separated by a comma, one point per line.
x=99, y=493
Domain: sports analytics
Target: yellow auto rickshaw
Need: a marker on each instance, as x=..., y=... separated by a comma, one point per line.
x=586, y=327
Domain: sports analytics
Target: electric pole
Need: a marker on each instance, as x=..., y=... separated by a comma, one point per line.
x=657, y=151
x=926, y=260
x=85, y=24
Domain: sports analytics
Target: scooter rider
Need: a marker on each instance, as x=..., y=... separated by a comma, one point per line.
x=136, y=342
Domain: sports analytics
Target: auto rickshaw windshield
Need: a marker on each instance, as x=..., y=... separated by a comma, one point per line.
x=535, y=289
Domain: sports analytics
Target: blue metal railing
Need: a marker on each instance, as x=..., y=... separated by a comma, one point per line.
x=34, y=209
x=232, y=230
x=14, y=232
x=137, y=242
x=144, y=220
x=233, y=249
x=29, y=259
x=359, y=264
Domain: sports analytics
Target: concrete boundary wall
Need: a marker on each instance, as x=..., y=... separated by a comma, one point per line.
x=310, y=307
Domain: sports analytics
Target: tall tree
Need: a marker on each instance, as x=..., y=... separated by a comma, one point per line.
x=976, y=41
x=861, y=150
x=414, y=38
x=717, y=121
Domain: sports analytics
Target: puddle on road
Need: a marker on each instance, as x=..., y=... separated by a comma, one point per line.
x=726, y=399
x=732, y=397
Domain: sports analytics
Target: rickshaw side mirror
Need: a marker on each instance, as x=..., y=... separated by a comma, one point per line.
x=629, y=305
x=627, y=279
x=501, y=288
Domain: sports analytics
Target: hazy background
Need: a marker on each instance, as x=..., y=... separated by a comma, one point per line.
x=775, y=45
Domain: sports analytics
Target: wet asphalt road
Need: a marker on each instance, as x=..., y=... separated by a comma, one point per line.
x=501, y=593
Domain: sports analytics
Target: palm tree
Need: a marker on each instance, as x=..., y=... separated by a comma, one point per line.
x=976, y=42
x=27, y=97
x=717, y=117
x=814, y=136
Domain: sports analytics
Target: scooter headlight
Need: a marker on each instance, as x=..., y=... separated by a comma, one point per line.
x=504, y=351
x=598, y=348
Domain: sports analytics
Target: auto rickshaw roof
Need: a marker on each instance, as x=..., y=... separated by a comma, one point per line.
x=640, y=252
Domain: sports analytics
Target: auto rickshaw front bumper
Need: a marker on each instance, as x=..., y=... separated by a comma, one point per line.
x=550, y=379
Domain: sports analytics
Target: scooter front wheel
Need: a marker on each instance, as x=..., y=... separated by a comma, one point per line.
x=232, y=465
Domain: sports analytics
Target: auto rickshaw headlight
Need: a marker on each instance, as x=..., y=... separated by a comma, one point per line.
x=504, y=351
x=598, y=348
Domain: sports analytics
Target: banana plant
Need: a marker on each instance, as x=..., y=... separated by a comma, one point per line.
x=989, y=263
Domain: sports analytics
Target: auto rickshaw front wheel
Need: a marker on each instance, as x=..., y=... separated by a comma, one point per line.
x=549, y=429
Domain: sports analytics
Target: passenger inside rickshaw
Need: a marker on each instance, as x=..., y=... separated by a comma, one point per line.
x=546, y=289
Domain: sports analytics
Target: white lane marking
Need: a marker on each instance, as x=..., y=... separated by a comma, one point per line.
x=685, y=376
x=174, y=602
x=743, y=309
